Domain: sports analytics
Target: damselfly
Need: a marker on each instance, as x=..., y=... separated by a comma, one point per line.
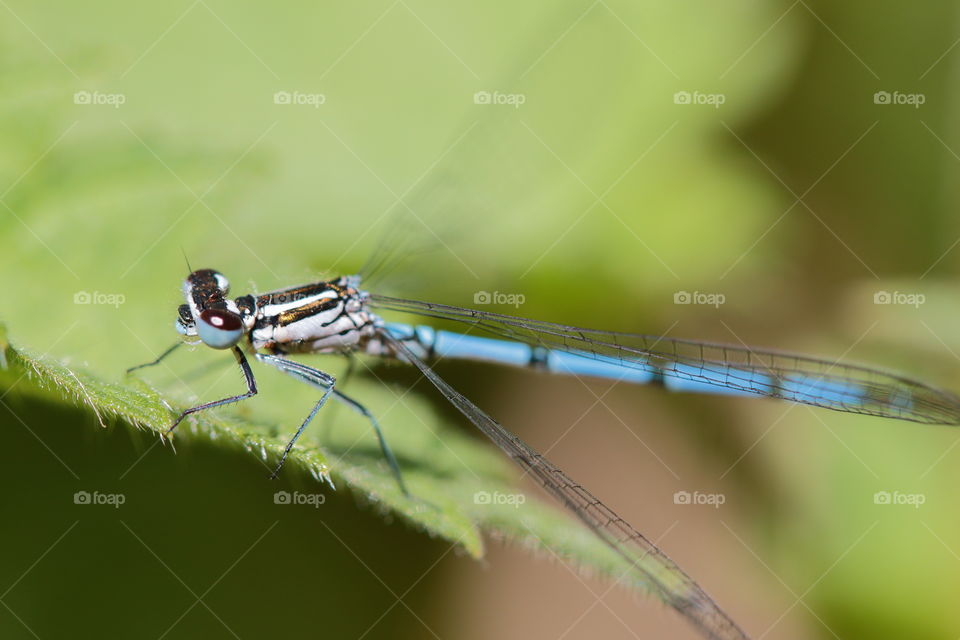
x=337, y=316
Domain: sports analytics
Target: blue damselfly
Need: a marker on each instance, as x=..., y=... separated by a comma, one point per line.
x=337, y=316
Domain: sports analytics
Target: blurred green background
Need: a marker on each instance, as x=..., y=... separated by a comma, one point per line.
x=132, y=134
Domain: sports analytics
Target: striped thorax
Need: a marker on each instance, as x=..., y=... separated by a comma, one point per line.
x=323, y=317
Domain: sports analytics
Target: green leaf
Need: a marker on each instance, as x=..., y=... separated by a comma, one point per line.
x=460, y=488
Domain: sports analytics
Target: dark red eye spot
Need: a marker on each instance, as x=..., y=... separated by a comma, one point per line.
x=220, y=319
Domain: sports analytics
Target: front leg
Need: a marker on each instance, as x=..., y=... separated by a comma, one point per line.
x=251, y=391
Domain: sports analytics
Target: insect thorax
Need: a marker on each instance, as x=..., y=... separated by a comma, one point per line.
x=323, y=317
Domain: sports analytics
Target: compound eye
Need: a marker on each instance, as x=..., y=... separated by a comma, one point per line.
x=219, y=329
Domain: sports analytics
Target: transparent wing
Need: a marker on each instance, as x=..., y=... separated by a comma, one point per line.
x=796, y=378
x=654, y=567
